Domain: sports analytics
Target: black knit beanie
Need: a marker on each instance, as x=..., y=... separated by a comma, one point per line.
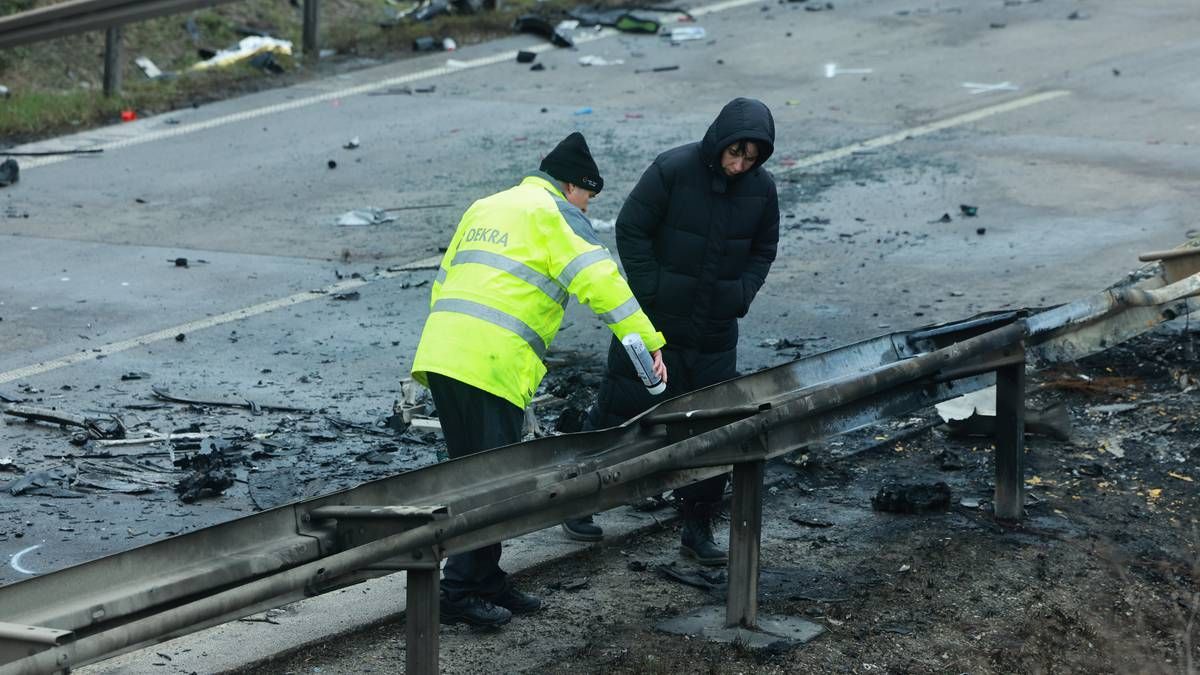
x=571, y=162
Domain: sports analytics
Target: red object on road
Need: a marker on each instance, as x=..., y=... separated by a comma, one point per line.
x=128, y=115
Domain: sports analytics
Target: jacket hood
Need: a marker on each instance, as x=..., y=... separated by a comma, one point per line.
x=741, y=119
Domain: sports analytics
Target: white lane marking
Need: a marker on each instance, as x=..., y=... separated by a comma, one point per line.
x=981, y=88
x=459, y=66
x=209, y=322
x=925, y=129
x=15, y=561
x=830, y=155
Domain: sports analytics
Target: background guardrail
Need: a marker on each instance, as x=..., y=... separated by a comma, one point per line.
x=80, y=16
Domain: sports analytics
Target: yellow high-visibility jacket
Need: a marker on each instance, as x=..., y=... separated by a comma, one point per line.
x=499, y=296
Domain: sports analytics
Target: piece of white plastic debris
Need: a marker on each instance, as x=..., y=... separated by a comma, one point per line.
x=592, y=60
x=685, y=33
x=148, y=67
x=368, y=216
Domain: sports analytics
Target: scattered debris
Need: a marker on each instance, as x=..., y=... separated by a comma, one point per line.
x=898, y=498
x=351, y=144
x=687, y=33
x=367, y=216
x=247, y=49
x=808, y=521
x=8, y=466
x=165, y=395
x=265, y=61
x=591, y=60
x=347, y=296
x=94, y=428
x=212, y=470
x=50, y=483
x=130, y=376
x=180, y=338
x=696, y=577
x=538, y=66
x=559, y=35
x=659, y=69
x=152, y=71
x=571, y=584
x=526, y=57
x=619, y=18
x=179, y=262
x=10, y=172
x=968, y=210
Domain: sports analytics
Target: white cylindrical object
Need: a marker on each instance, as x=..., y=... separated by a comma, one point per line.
x=643, y=363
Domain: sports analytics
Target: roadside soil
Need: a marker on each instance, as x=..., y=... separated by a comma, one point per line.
x=1102, y=576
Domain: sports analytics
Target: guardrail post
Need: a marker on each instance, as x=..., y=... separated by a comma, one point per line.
x=745, y=528
x=421, y=616
x=112, y=61
x=310, y=43
x=1010, y=442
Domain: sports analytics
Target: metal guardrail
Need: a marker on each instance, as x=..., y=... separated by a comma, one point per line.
x=408, y=521
x=79, y=16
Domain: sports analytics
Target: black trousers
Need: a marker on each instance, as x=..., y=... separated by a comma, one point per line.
x=623, y=396
x=472, y=421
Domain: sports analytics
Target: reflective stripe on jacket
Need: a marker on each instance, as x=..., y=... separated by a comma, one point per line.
x=503, y=285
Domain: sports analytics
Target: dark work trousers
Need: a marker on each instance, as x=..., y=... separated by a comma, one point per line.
x=472, y=421
x=622, y=396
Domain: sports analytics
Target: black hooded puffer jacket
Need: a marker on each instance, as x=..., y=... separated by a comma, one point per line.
x=696, y=244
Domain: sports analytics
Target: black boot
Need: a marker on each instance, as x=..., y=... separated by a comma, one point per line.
x=474, y=611
x=582, y=529
x=696, y=541
x=517, y=602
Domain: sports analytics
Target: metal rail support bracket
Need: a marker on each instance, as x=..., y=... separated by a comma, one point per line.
x=1010, y=441
x=112, y=61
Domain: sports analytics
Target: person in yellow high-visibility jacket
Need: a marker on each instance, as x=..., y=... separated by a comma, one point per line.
x=497, y=303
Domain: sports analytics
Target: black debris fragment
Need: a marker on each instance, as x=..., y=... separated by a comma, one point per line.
x=526, y=57
x=348, y=296
x=968, y=210
x=900, y=498
x=127, y=377
x=180, y=338
x=944, y=219
x=659, y=69
x=538, y=66
x=212, y=470
x=266, y=62
x=10, y=172
x=536, y=25
x=698, y=578
x=51, y=483
x=179, y=262
x=809, y=521
x=425, y=43
x=981, y=231
x=949, y=460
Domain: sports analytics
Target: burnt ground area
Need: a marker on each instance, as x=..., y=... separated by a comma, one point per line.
x=1101, y=576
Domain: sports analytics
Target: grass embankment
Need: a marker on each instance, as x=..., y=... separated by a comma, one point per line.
x=56, y=85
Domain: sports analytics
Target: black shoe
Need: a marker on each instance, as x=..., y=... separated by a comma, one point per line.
x=473, y=611
x=517, y=602
x=696, y=540
x=582, y=529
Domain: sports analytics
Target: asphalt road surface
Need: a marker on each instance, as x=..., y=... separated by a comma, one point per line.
x=1072, y=137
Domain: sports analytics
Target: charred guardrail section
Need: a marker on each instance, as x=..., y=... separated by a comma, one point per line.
x=409, y=521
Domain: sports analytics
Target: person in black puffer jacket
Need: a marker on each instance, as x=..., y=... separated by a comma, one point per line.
x=696, y=237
